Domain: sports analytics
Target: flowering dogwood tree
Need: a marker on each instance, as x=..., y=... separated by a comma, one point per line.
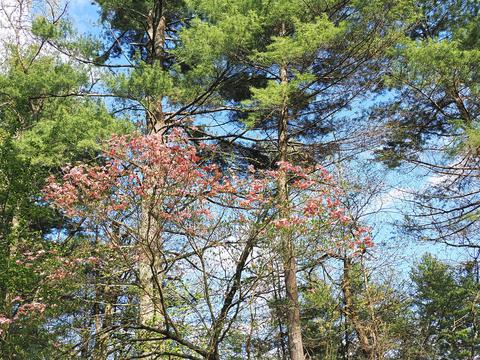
x=192, y=241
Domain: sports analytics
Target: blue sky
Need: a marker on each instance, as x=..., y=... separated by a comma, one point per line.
x=84, y=16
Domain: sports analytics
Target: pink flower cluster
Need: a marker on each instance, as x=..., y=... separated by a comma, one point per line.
x=28, y=257
x=24, y=310
x=178, y=186
x=363, y=236
x=317, y=206
x=142, y=169
x=4, y=320
x=30, y=308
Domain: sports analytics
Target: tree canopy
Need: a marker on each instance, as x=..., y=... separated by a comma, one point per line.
x=251, y=179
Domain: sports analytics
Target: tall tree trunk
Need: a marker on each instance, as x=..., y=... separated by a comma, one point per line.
x=150, y=236
x=157, y=24
x=295, y=342
x=147, y=268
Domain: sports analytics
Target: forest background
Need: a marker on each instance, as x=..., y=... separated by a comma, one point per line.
x=251, y=179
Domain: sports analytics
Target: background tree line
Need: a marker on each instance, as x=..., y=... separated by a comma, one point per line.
x=201, y=179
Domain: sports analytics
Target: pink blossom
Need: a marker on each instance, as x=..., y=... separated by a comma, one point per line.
x=30, y=308
x=184, y=192
x=4, y=320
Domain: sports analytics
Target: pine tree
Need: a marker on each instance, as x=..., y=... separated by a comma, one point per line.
x=42, y=128
x=446, y=300
x=431, y=116
x=295, y=61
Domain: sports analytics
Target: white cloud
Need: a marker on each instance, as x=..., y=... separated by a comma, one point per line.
x=389, y=200
x=436, y=179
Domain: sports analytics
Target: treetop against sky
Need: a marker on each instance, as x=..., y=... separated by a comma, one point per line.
x=251, y=179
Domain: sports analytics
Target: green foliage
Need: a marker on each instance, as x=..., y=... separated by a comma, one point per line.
x=381, y=310
x=45, y=29
x=43, y=126
x=306, y=40
x=323, y=330
x=473, y=136
x=69, y=133
x=447, y=302
x=145, y=83
x=452, y=62
x=433, y=79
x=257, y=57
x=40, y=111
x=62, y=33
